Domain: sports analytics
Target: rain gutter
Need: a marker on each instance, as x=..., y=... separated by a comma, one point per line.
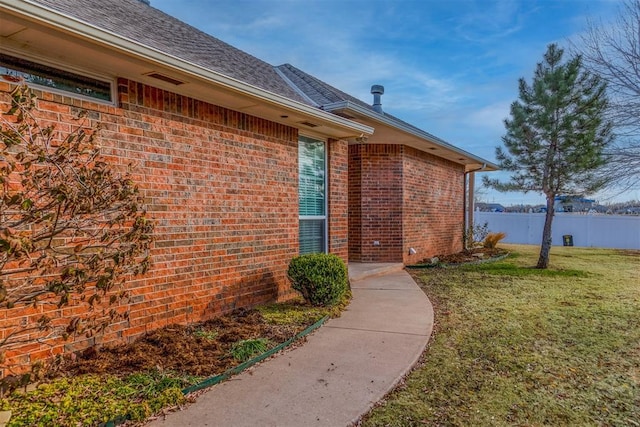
x=389, y=121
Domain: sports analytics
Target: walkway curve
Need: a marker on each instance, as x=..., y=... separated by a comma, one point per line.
x=337, y=375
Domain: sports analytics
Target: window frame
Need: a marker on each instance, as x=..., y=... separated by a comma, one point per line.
x=111, y=81
x=325, y=217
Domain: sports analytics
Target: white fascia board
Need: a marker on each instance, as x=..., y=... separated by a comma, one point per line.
x=381, y=118
x=53, y=18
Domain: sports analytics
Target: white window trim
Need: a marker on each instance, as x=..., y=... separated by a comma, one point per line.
x=324, y=217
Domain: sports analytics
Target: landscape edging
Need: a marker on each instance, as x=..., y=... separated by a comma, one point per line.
x=211, y=381
x=241, y=367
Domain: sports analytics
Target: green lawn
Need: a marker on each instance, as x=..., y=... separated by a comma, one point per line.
x=523, y=347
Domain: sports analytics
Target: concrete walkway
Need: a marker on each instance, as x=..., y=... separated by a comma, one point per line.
x=338, y=374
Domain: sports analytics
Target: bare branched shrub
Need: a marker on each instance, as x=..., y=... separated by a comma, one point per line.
x=474, y=235
x=71, y=229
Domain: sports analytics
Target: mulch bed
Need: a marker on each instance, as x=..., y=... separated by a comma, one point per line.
x=465, y=257
x=201, y=349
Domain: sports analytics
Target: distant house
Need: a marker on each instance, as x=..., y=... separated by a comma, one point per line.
x=243, y=165
x=599, y=209
x=489, y=207
x=629, y=210
x=573, y=204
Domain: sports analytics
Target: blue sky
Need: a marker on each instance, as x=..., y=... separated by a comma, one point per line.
x=448, y=67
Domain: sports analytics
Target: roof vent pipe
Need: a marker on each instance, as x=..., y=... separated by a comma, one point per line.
x=377, y=91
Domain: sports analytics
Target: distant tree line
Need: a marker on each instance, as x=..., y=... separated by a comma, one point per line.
x=621, y=208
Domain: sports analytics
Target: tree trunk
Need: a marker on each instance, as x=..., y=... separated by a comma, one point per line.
x=545, y=247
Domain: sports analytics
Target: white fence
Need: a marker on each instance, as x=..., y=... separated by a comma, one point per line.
x=601, y=231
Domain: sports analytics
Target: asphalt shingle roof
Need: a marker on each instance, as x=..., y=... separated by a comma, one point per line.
x=144, y=24
x=320, y=92
x=153, y=28
x=323, y=94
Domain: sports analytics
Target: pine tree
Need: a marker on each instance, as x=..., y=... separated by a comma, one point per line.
x=555, y=136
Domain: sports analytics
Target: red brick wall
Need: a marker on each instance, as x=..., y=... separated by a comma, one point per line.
x=355, y=210
x=338, y=198
x=402, y=198
x=379, y=214
x=222, y=189
x=432, y=205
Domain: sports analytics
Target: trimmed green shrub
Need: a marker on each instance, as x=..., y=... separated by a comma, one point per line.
x=322, y=279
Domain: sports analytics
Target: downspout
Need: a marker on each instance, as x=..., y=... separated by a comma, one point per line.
x=466, y=212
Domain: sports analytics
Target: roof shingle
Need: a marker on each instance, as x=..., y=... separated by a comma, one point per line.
x=320, y=92
x=144, y=24
x=323, y=94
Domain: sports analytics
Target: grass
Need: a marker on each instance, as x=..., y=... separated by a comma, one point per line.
x=519, y=346
x=298, y=313
x=91, y=400
x=205, y=334
x=246, y=349
x=291, y=313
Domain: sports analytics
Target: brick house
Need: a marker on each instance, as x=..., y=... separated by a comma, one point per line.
x=406, y=186
x=241, y=164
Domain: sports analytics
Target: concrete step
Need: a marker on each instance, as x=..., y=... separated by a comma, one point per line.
x=363, y=270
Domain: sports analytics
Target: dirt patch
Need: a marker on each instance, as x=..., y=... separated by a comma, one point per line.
x=466, y=256
x=629, y=252
x=201, y=349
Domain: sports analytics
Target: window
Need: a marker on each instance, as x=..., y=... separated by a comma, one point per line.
x=312, y=165
x=16, y=69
